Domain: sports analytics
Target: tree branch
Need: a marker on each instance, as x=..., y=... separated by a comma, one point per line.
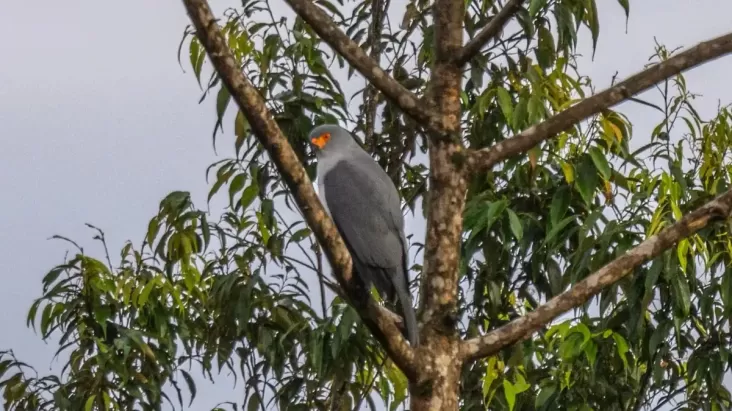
x=703, y=52
x=293, y=173
x=439, y=340
x=491, y=30
x=379, y=9
x=341, y=43
x=520, y=328
x=447, y=185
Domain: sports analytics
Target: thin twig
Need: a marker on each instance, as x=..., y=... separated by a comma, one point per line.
x=348, y=49
x=321, y=278
x=491, y=30
x=379, y=9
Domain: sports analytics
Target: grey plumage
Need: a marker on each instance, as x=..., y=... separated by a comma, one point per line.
x=365, y=206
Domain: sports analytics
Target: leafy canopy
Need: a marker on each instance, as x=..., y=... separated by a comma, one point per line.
x=245, y=289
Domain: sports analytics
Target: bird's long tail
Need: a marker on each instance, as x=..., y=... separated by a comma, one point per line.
x=389, y=282
x=410, y=317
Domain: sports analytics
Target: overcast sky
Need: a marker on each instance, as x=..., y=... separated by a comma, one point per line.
x=98, y=122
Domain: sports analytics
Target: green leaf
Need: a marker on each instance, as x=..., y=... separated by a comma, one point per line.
x=206, y=230
x=558, y=228
x=4, y=365
x=263, y=230
x=626, y=6
x=145, y=294
x=520, y=384
x=254, y=402
x=560, y=205
x=152, y=231
x=504, y=100
x=90, y=402
x=519, y=116
x=545, y=51
x=582, y=329
x=241, y=130
x=682, y=293
x=681, y=251
x=516, y=227
x=487, y=217
x=46, y=319
x=544, y=395
x=493, y=210
x=107, y=401
x=490, y=375
x=249, y=194
x=536, y=110
x=196, y=55
x=476, y=75
x=31, y=318
x=587, y=181
x=400, y=383
x=622, y=347
x=536, y=6
x=52, y=275
x=591, y=352
x=349, y=318
x=510, y=392
x=191, y=385
x=222, y=101
x=651, y=279
x=300, y=235
x=236, y=184
x=221, y=178
x=593, y=22
x=601, y=163
x=175, y=201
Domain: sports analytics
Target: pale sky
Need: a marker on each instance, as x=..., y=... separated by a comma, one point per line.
x=98, y=122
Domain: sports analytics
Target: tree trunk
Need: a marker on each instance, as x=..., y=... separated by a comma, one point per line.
x=439, y=363
x=439, y=383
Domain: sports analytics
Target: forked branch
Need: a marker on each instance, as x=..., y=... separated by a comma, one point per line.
x=520, y=328
x=270, y=136
x=328, y=30
x=702, y=53
x=490, y=31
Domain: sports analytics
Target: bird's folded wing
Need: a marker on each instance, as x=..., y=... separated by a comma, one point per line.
x=360, y=206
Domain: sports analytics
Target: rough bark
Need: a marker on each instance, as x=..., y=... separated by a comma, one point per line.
x=438, y=385
x=720, y=207
x=702, y=53
x=490, y=31
x=293, y=173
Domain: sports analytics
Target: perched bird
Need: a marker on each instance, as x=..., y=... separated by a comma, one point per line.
x=365, y=206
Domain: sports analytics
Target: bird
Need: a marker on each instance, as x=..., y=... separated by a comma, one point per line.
x=365, y=206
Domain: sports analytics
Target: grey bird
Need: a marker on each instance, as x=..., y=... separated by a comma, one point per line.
x=365, y=207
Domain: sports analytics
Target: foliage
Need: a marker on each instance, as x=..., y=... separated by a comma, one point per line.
x=236, y=293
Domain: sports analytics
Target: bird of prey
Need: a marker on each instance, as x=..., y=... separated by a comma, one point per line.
x=365, y=207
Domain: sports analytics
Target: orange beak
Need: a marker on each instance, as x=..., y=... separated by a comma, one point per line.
x=321, y=140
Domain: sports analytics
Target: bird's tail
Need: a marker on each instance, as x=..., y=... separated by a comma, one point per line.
x=410, y=319
x=405, y=303
x=390, y=282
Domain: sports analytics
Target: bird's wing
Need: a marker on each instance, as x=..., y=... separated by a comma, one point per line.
x=360, y=206
x=365, y=207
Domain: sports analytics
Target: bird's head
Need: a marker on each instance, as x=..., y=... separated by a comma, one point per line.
x=331, y=138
